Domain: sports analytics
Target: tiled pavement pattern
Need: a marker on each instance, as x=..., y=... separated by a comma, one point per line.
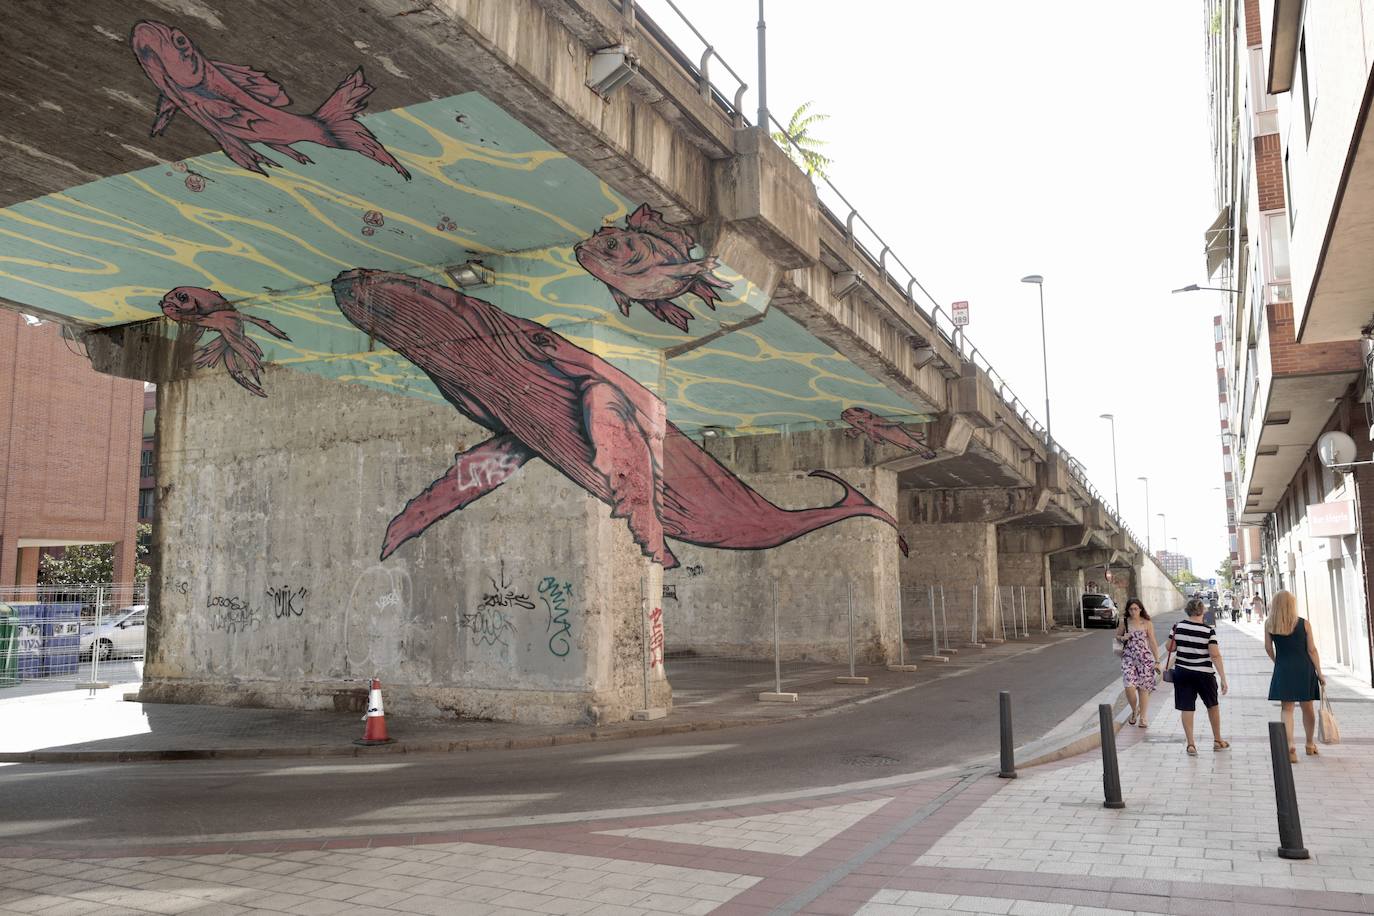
x=1197, y=836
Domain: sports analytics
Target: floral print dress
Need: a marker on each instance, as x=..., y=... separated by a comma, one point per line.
x=1137, y=661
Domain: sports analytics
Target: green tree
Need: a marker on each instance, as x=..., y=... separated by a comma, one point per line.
x=91, y=564
x=1186, y=577
x=804, y=149
x=1224, y=573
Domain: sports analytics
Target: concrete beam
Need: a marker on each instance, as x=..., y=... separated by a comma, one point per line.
x=991, y=505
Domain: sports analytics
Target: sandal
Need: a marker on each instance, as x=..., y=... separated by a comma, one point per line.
x=1312, y=750
x=1192, y=750
x=1142, y=724
x=1131, y=720
x=1220, y=744
x=1292, y=755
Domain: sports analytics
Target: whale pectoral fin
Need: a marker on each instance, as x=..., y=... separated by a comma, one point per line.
x=631, y=465
x=475, y=473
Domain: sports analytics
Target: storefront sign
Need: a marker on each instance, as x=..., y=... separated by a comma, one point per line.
x=1331, y=520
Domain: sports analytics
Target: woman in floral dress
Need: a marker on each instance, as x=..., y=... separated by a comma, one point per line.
x=1139, y=659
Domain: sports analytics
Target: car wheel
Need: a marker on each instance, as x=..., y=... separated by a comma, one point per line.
x=105, y=648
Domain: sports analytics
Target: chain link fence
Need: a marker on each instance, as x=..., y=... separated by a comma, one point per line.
x=56, y=637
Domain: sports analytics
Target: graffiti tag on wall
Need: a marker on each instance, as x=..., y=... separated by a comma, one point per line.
x=287, y=602
x=557, y=598
x=502, y=595
x=656, y=638
x=488, y=626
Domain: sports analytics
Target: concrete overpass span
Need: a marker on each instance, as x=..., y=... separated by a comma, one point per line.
x=460, y=360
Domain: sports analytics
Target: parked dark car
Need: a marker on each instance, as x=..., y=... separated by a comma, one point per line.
x=1099, y=611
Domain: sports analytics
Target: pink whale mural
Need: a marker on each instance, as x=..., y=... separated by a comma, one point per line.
x=238, y=105
x=544, y=397
x=880, y=429
x=650, y=262
x=206, y=310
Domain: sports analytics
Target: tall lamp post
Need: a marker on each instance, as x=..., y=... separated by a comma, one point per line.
x=1116, y=484
x=1039, y=282
x=1165, y=522
x=1147, y=514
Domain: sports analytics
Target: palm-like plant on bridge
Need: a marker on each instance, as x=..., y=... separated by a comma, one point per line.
x=801, y=146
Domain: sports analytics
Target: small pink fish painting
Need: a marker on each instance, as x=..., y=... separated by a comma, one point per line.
x=206, y=310
x=238, y=105
x=880, y=429
x=650, y=262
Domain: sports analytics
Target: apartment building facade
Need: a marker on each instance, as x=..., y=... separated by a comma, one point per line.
x=1290, y=90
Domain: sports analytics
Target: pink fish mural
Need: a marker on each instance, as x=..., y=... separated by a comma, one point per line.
x=650, y=262
x=880, y=429
x=542, y=396
x=238, y=105
x=206, y=310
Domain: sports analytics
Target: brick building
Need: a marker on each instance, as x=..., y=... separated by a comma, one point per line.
x=69, y=437
x=1294, y=184
x=1173, y=563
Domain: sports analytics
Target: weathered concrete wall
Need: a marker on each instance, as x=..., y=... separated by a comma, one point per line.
x=1156, y=589
x=720, y=602
x=960, y=556
x=270, y=592
x=1066, y=584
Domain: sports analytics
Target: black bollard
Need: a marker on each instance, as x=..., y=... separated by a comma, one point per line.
x=1285, y=795
x=1008, y=755
x=1111, y=773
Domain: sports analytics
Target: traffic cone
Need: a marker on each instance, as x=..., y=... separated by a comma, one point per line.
x=375, y=731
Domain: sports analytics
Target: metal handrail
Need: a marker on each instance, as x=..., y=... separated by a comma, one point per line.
x=954, y=337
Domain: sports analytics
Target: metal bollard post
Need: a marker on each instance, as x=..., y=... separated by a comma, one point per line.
x=1285, y=795
x=1008, y=755
x=1111, y=773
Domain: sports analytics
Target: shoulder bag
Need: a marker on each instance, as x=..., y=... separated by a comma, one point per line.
x=1118, y=642
x=1168, y=667
x=1328, y=729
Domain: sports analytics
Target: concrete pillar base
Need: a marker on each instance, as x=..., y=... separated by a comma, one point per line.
x=851, y=680
x=771, y=697
x=646, y=715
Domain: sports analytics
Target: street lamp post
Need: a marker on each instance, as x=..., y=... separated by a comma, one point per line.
x=1039, y=281
x=1147, y=514
x=1165, y=523
x=1116, y=484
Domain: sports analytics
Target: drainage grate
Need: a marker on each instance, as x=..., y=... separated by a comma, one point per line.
x=872, y=760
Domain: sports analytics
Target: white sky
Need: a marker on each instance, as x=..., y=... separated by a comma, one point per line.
x=989, y=140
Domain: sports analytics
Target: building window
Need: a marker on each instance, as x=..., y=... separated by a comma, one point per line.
x=145, y=464
x=1309, y=87
x=145, y=505
x=150, y=423
x=1288, y=191
x=1277, y=269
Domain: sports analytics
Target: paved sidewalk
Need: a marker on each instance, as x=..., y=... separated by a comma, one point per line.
x=76, y=725
x=956, y=841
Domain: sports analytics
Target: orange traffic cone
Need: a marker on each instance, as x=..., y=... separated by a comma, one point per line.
x=375, y=731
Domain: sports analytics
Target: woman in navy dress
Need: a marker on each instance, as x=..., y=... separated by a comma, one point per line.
x=1298, y=674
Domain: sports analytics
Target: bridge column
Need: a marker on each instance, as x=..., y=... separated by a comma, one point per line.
x=720, y=602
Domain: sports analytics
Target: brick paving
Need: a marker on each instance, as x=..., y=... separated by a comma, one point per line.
x=1197, y=835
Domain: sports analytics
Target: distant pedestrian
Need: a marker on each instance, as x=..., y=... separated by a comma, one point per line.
x=1249, y=609
x=1298, y=674
x=1257, y=603
x=1139, y=659
x=1197, y=665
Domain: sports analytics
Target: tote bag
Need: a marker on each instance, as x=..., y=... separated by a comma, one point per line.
x=1328, y=729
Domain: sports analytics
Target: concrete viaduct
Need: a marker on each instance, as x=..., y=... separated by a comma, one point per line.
x=459, y=390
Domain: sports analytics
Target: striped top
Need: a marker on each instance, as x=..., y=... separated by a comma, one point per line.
x=1191, y=642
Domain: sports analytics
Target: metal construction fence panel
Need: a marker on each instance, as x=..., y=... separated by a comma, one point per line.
x=55, y=637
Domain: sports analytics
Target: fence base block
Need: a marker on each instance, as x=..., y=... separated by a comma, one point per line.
x=90, y=686
x=934, y=658
x=769, y=696
x=845, y=679
x=646, y=715
x=901, y=667
x=994, y=641
x=975, y=645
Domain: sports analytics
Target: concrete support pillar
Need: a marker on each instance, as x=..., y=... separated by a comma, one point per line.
x=27, y=573
x=125, y=561
x=961, y=556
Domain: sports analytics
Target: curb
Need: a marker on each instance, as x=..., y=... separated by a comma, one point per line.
x=448, y=746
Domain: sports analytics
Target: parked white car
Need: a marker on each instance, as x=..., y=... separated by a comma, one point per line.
x=122, y=637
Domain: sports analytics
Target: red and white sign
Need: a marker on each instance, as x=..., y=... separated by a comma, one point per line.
x=1331, y=520
x=959, y=311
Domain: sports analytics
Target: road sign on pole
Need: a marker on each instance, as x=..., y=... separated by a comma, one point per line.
x=959, y=311
x=1212, y=581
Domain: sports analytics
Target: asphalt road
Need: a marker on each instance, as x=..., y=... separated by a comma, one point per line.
x=945, y=722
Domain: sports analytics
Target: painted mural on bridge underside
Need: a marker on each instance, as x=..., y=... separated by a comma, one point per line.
x=239, y=106
x=592, y=422
x=880, y=430
x=206, y=310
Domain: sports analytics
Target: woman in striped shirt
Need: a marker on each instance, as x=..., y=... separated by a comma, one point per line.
x=1197, y=662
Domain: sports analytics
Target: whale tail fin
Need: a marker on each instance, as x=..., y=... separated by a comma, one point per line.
x=858, y=504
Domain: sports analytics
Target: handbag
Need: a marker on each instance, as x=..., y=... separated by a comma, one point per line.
x=1168, y=668
x=1328, y=729
x=1118, y=647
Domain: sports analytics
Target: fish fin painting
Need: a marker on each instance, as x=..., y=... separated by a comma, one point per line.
x=239, y=106
x=587, y=419
x=650, y=262
x=879, y=430
x=206, y=310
